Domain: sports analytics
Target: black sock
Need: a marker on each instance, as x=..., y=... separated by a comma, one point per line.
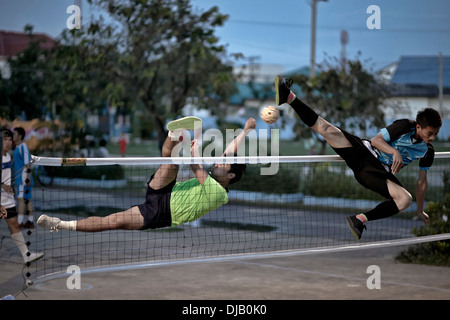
x=306, y=114
x=383, y=210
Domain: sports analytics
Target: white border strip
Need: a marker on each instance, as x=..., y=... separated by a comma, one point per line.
x=56, y=162
x=248, y=256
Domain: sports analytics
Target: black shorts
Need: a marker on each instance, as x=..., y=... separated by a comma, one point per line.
x=156, y=208
x=367, y=169
x=11, y=213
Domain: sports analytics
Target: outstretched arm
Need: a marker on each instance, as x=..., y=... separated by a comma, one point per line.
x=421, y=190
x=197, y=168
x=233, y=147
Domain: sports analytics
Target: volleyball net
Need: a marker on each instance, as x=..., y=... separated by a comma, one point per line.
x=282, y=205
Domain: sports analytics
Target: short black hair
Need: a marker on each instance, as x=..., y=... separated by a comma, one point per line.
x=7, y=133
x=429, y=117
x=238, y=169
x=21, y=132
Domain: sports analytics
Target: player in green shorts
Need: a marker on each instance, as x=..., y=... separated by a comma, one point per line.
x=169, y=203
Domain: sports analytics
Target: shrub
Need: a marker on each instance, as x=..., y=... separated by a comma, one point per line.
x=436, y=252
x=284, y=181
x=110, y=172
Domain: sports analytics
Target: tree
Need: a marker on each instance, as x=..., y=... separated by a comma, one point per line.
x=346, y=95
x=168, y=54
x=5, y=101
x=151, y=55
x=79, y=76
x=22, y=92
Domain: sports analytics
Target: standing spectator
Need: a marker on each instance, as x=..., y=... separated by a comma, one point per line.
x=92, y=152
x=123, y=144
x=8, y=208
x=102, y=151
x=23, y=179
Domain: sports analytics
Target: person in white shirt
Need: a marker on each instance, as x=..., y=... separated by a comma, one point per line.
x=8, y=203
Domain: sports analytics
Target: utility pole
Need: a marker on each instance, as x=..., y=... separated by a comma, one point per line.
x=313, y=37
x=441, y=86
x=344, y=41
x=79, y=4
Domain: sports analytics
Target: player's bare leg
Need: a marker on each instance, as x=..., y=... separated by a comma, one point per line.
x=168, y=172
x=332, y=134
x=400, y=195
x=130, y=219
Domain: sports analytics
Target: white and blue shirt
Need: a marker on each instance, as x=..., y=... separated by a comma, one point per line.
x=22, y=157
x=8, y=200
x=401, y=136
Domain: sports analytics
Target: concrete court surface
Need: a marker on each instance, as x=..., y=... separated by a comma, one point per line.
x=326, y=276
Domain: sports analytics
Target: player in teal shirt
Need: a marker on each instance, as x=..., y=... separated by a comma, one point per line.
x=402, y=136
x=375, y=162
x=169, y=202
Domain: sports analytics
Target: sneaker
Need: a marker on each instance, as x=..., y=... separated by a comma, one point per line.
x=356, y=226
x=33, y=256
x=282, y=88
x=47, y=222
x=186, y=123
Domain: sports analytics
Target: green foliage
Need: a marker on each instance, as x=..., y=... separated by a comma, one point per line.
x=153, y=56
x=436, y=252
x=253, y=180
x=343, y=91
x=322, y=182
x=345, y=94
x=446, y=180
x=169, y=54
x=110, y=172
x=23, y=91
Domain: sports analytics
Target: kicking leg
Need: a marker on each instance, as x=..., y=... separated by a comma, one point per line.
x=332, y=134
x=130, y=219
x=166, y=173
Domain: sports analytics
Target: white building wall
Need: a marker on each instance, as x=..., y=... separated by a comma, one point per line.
x=407, y=107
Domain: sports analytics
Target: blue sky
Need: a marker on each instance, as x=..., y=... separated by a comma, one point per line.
x=278, y=32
